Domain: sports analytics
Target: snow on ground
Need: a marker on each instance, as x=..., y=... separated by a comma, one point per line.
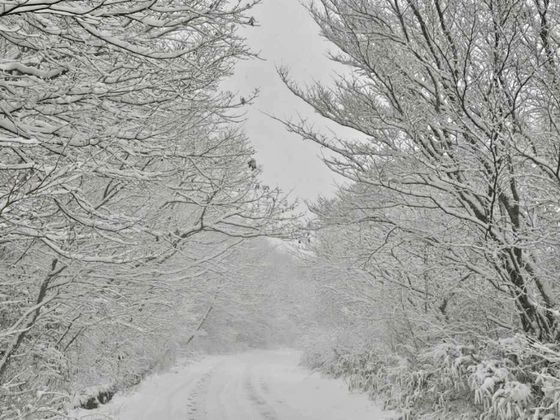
x=256, y=385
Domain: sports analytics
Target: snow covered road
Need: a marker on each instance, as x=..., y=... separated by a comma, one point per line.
x=256, y=385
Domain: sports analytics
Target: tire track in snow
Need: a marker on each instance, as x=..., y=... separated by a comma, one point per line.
x=196, y=400
x=265, y=410
x=282, y=409
x=263, y=385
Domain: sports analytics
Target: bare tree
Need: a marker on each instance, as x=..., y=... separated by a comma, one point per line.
x=117, y=151
x=457, y=104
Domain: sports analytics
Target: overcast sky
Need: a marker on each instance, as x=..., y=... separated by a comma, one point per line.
x=285, y=35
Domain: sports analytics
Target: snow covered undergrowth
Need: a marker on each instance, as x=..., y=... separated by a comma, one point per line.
x=251, y=385
x=505, y=379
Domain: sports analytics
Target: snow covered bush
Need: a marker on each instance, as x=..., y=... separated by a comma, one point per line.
x=505, y=379
x=90, y=398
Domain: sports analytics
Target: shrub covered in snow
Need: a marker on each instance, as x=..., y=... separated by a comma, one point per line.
x=92, y=397
x=505, y=379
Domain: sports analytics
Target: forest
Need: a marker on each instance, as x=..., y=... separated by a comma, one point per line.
x=135, y=226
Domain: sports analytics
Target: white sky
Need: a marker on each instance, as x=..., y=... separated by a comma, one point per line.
x=285, y=35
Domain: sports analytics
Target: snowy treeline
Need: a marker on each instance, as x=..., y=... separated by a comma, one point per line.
x=440, y=258
x=264, y=300
x=130, y=204
x=124, y=188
